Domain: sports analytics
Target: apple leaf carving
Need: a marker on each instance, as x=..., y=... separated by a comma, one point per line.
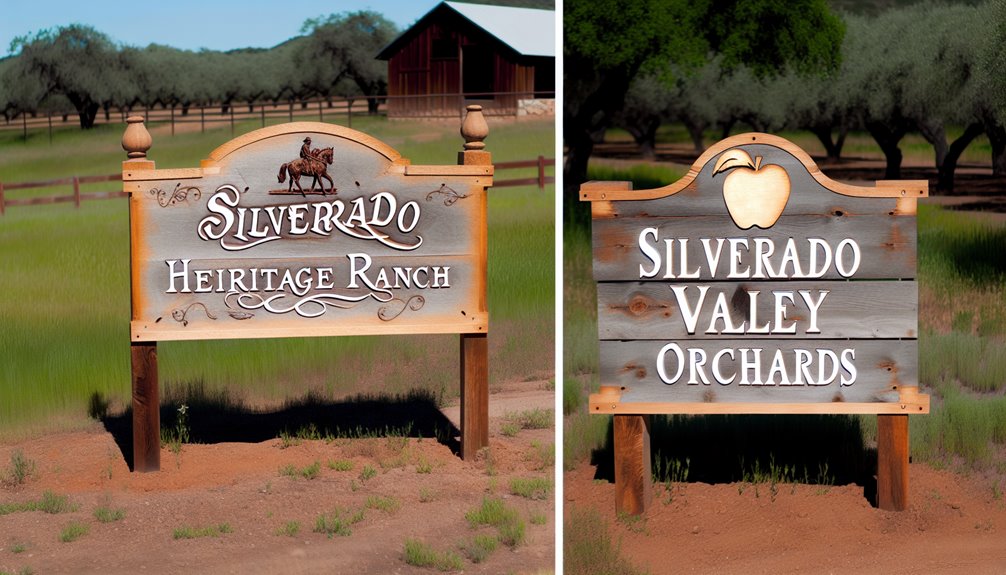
x=733, y=158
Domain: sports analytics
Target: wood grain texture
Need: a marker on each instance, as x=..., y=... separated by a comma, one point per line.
x=892, y=462
x=650, y=310
x=601, y=404
x=301, y=128
x=887, y=245
x=633, y=477
x=146, y=408
x=474, y=394
x=889, y=188
x=883, y=368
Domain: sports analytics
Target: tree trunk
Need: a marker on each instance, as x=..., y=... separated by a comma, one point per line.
x=645, y=135
x=108, y=109
x=695, y=130
x=945, y=180
x=936, y=134
x=86, y=110
x=832, y=147
x=372, y=106
x=997, y=137
x=726, y=127
x=888, y=138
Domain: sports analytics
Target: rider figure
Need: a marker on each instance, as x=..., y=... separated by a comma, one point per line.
x=306, y=153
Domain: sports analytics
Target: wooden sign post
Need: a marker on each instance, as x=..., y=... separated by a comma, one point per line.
x=756, y=284
x=307, y=229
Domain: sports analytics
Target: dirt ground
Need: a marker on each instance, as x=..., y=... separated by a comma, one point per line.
x=240, y=484
x=954, y=524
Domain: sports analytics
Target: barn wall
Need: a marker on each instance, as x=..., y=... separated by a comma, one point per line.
x=414, y=70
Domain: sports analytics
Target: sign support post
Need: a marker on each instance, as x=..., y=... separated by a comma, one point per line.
x=892, y=462
x=475, y=347
x=143, y=355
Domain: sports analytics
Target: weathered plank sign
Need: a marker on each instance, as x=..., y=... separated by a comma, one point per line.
x=309, y=229
x=755, y=284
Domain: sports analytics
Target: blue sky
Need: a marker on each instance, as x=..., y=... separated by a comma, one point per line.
x=192, y=24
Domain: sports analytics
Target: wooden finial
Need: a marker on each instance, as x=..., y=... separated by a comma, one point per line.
x=136, y=140
x=474, y=129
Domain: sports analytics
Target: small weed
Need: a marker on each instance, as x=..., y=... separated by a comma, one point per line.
x=368, y=473
x=997, y=492
x=426, y=495
x=337, y=522
x=18, y=548
x=308, y=472
x=105, y=514
x=290, y=529
x=510, y=429
x=22, y=571
x=538, y=418
x=424, y=466
x=538, y=518
x=180, y=435
x=486, y=454
x=386, y=504
x=20, y=471
x=340, y=464
x=397, y=443
x=671, y=471
x=198, y=532
x=421, y=554
x=286, y=440
x=73, y=532
x=354, y=486
x=49, y=503
x=505, y=519
x=531, y=487
x=634, y=523
x=480, y=547
x=541, y=455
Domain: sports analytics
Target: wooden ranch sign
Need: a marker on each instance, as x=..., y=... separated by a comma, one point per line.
x=756, y=284
x=307, y=229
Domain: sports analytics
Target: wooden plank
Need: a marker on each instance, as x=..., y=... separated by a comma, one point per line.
x=823, y=310
x=76, y=192
x=474, y=394
x=692, y=202
x=450, y=170
x=886, y=247
x=146, y=408
x=633, y=477
x=892, y=462
x=602, y=405
x=659, y=371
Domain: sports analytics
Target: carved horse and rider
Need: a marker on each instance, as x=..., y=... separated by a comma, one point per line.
x=312, y=162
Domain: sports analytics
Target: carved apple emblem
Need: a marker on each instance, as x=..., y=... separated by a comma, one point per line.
x=755, y=194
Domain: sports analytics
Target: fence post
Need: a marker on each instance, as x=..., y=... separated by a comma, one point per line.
x=349, y=113
x=24, y=125
x=202, y=120
x=2, y=207
x=541, y=172
x=49, y=115
x=262, y=110
x=76, y=192
x=291, y=110
x=172, y=119
x=232, y=119
x=321, y=114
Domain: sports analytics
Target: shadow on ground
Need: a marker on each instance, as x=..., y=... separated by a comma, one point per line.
x=214, y=418
x=812, y=449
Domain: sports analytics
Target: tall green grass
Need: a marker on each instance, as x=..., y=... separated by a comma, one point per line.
x=64, y=288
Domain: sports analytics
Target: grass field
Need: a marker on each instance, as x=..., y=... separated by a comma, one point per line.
x=962, y=344
x=64, y=288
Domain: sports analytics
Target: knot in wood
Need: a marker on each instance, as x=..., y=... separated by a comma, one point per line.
x=638, y=305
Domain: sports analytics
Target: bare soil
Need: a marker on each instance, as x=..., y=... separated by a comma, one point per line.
x=239, y=483
x=954, y=524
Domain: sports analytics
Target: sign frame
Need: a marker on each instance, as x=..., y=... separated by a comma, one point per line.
x=633, y=254
x=159, y=314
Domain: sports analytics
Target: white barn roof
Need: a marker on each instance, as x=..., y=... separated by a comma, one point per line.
x=528, y=31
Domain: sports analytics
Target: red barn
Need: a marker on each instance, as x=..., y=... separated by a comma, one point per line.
x=500, y=57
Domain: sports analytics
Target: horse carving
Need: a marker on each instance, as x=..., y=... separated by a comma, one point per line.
x=317, y=167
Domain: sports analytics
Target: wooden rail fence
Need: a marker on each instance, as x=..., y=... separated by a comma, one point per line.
x=541, y=162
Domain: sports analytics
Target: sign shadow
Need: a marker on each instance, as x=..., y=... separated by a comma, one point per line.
x=217, y=419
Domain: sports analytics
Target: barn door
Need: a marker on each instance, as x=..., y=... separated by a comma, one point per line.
x=478, y=71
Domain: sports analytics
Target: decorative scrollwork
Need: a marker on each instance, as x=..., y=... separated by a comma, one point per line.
x=181, y=314
x=451, y=196
x=179, y=195
x=308, y=306
x=395, y=307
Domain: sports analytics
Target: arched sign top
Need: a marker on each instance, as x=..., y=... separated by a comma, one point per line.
x=262, y=134
x=608, y=191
